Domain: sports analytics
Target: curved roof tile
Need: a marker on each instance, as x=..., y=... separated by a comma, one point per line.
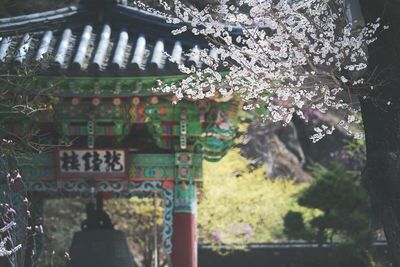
x=82, y=41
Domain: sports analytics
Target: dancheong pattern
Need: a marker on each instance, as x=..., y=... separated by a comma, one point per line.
x=111, y=131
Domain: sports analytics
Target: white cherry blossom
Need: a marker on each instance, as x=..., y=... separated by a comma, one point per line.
x=287, y=55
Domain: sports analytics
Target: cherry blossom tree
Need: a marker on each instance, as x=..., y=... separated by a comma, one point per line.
x=289, y=56
x=17, y=145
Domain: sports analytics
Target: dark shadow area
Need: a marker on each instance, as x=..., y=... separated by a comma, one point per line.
x=289, y=255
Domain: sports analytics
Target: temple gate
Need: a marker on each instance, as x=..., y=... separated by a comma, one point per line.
x=110, y=133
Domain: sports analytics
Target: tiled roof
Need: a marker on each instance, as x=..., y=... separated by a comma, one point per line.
x=84, y=41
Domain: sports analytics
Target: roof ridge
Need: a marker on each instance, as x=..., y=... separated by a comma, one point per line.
x=144, y=14
x=110, y=41
x=163, y=20
x=60, y=11
x=32, y=21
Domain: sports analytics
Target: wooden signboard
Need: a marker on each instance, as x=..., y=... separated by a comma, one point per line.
x=92, y=163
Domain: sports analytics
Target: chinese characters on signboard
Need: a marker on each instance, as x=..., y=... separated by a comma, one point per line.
x=92, y=161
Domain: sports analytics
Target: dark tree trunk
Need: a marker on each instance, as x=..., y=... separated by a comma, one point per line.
x=381, y=117
x=382, y=173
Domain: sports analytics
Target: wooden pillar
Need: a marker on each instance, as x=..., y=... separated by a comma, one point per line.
x=184, y=240
x=184, y=237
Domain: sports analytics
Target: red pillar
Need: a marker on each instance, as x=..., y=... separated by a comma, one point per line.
x=184, y=237
x=184, y=240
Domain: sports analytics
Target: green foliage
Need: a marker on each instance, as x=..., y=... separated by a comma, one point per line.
x=239, y=206
x=341, y=199
x=356, y=148
x=294, y=224
x=344, y=215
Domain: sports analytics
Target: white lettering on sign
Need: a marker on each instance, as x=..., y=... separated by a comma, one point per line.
x=92, y=161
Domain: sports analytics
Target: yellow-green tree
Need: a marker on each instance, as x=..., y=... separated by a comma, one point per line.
x=239, y=205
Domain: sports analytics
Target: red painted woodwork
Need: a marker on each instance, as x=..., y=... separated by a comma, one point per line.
x=184, y=240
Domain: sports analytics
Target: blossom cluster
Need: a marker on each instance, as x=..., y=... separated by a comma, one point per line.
x=7, y=225
x=286, y=55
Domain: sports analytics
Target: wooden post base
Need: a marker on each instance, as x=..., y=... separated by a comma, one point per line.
x=184, y=240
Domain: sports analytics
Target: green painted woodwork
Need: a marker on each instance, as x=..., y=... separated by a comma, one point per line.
x=185, y=198
x=113, y=108
x=93, y=107
x=221, y=130
x=104, y=113
x=185, y=171
x=39, y=167
x=209, y=127
x=185, y=126
x=102, y=86
x=151, y=166
x=90, y=107
x=43, y=167
x=92, y=117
